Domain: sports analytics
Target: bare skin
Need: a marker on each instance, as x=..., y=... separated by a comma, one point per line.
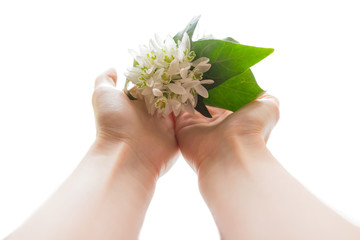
x=107, y=195
x=249, y=194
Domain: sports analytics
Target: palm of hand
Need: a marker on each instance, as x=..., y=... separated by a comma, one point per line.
x=199, y=138
x=153, y=138
x=119, y=119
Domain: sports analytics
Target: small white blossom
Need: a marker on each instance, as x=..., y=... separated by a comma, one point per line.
x=166, y=76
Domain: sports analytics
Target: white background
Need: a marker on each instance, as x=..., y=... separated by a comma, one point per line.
x=51, y=52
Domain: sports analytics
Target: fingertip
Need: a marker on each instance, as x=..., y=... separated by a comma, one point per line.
x=108, y=78
x=111, y=72
x=272, y=104
x=268, y=97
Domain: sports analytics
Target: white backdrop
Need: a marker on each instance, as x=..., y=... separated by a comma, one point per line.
x=51, y=52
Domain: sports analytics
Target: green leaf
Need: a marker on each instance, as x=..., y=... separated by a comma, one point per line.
x=235, y=92
x=230, y=39
x=227, y=59
x=189, y=29
x=201, y=108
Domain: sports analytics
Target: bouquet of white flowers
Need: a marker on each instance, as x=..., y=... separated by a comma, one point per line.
x=179, y=74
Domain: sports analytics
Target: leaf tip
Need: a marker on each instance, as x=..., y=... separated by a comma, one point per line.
x=271, y=50
x=196, y=18
x=201, y=108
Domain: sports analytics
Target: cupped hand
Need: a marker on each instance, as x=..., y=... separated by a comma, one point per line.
x=121, y=120
x=205, y=141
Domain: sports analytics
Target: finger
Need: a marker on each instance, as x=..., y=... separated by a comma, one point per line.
x=268, y=97
x=264, y=111
x=270, y=112
x=108, y=78
x=272, y=104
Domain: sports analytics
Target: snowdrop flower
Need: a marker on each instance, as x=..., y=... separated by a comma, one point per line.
x=166, y=76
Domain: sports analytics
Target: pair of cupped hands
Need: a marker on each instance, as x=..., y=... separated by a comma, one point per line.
x=156, y=140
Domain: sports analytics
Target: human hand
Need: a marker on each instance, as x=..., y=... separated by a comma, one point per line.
x=205, y=142
x=119, y=120
x=115, y=181
x=250, y=195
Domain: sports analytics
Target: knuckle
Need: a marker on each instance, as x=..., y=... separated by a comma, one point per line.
x=270, y=106
x=275, y=110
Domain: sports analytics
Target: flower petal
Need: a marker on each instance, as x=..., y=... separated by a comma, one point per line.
x=146, y=91
x=167, y=110
x=200, y=60
x=133, y=69
x=174, y=103
x=201, y=90
x=151, y=69
x=139, y=60
x=150, y=82
x=157, y=92
x=133, y=53
x=153, y=45
x=158, y=85
x=166, y=57
x=185, y=42
x=176, y=111
x=184, y=72
x=174, y=67
x=170, y=43
x=185, y=80
x=203, y=67
x=192, y=100
x=207, y=81
x=143, y=50
x=185, y=64
x=189, y=108
x=176, y=88
x=158, y=74
x=191, y=84
x=159, y=41
x=184, y=97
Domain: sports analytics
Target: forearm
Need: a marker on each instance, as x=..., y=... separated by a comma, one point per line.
x=106, y=197
x=257, y=199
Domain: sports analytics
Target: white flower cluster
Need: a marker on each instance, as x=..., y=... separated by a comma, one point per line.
x=166, y=76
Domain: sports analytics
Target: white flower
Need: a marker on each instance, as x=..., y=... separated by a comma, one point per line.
x=166, y=76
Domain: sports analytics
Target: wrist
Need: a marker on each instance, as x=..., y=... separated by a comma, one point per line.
x=236, y=156
x=122, y=160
